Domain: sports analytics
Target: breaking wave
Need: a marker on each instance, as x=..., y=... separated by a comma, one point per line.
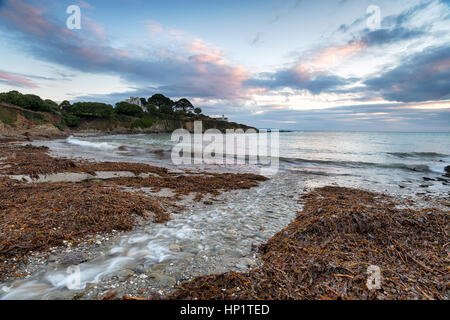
x=93, y=145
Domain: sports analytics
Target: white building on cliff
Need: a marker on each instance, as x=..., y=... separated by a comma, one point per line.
x=137, y=101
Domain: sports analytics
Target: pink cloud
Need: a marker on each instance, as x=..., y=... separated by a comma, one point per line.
x=213, y=71
x=440, y=66
x=26, y=17
x=197, y=68
x=331, y=56
x=13, y=79
x=94, y=29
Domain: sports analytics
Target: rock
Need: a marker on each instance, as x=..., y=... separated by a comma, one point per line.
x=159, y=266
x=428, y=179
x=73, y=258
x=208, y=202
x=125, y=274
x=447, y=169
x=139, y=271
x=162, y=279
x=175, y=247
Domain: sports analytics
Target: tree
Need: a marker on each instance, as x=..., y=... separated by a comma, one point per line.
x=63, y=106
x=26, y=101
x=164, y=104
x=51, y=103
x=144, y=102
x=198, y=111
x=166, y=109
x=160, y=100
x=91, y=109
x=184, y=104
x=152, y=109
x=129, y=109
x=70, y=120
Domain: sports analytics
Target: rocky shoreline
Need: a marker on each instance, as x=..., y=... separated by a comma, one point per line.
x=48, y=224
x=179, y=235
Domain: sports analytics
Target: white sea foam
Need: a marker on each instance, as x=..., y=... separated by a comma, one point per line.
x=94, y=145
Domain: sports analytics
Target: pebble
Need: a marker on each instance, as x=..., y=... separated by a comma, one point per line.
x=125, y=274
x=175, y=247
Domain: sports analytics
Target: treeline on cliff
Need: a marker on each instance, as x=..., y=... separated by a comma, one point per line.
x=154, y=108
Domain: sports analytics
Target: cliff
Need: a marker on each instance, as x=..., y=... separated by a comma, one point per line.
x=23, y=124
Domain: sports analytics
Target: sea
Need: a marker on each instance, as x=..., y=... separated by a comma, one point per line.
x=410, y=162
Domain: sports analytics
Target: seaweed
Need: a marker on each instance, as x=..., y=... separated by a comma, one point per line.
x=37, y=216
x=325, y=253
x=33, y=161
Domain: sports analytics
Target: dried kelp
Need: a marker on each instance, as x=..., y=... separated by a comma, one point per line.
x=325, y=254
x=197, y=183
x=31, y=160
x=34, y=217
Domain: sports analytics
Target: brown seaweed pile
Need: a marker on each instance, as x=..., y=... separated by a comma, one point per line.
x=37, y=216
x=198, y=183
x=325, y=254
x=31, y=160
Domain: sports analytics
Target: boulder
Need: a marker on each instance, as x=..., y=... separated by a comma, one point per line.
x=73, y=258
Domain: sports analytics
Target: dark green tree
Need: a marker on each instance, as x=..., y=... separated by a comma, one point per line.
x=164, y=104
x=91, y=109
x=166, y=109
x=152, y=109
x=144, y=102
x=64, y=105
x=198, y=111
x=26, y=101
x=70, y=120
x=129, y=109
x=184, y=104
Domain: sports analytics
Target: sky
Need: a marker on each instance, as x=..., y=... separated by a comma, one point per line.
x=290, y=64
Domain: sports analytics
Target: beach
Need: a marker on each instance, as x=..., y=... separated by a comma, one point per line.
x=137, y=226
